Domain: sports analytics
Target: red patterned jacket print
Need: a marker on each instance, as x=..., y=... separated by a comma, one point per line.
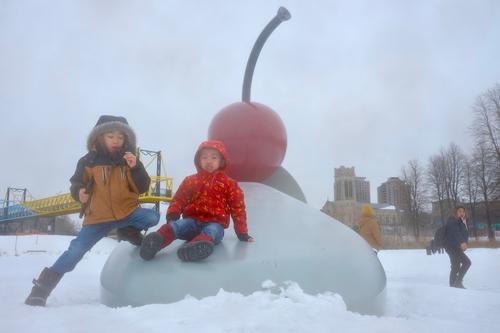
x=211, y=197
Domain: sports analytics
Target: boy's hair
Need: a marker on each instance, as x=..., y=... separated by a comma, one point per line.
x=107, y=124
x=459, y=207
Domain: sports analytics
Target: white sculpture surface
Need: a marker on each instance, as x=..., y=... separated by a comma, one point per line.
x=293, y=242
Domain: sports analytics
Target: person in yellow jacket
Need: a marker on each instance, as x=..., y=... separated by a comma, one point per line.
x=369, y=228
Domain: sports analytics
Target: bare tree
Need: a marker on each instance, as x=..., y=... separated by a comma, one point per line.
x=436, y=171
x=471, y=192
x=486, y=177
x=486, y=126
x=454, y=176
x=413, y=176
x=445, y=176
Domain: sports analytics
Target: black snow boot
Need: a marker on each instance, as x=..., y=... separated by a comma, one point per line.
x=42, y=288
x=151, y=245
x=131, y=235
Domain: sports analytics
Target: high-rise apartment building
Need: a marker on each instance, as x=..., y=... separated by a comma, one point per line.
x=395, y=192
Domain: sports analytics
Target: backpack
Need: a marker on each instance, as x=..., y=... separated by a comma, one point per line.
x=439, y=237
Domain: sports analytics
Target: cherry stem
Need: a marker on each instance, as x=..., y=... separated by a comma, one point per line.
x=282, y=15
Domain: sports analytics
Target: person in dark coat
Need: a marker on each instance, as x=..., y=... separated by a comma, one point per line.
x=455, y=244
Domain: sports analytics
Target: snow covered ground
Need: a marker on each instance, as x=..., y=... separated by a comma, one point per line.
x=418, y=299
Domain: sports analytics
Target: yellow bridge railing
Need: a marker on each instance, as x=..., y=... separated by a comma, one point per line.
x=64, y=204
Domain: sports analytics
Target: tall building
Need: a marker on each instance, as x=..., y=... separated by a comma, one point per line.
x=394, y=192
x=349, y=187
x=350, y=193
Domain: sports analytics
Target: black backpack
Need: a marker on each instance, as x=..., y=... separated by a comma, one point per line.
x=439, y=237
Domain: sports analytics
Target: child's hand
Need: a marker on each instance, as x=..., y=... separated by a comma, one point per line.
x=130, y=159
x=83, y=196
x=245, y=238
x=463, y=246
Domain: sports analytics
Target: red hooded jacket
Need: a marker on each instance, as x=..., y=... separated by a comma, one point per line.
x=211, y=197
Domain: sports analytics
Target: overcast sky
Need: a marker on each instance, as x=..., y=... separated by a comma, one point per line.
x=369, y=84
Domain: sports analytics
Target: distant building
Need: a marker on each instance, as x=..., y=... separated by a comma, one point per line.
x=59, y=225
x=349, y=212
x=346, y=211
x=350, y=193
x=348, y=187
x=394, y=192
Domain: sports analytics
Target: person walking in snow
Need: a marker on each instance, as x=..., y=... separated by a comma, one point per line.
x=205, y=201
x=369, y=228
x=455, y=244
x=107, y=182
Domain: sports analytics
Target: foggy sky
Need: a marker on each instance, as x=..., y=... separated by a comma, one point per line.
x=370, y=84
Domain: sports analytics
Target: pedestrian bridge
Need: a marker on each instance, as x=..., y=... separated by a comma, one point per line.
x=64, y=204
x=14, y=209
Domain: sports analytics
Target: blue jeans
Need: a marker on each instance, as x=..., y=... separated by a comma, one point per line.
x=89, y=235
x=187, y=229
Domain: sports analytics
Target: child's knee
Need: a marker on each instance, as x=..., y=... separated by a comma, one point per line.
x=216, y=231
x=150, y=218
x=155, y=218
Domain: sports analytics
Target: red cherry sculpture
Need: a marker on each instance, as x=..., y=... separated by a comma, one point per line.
x=253, y=133
x=255, y=138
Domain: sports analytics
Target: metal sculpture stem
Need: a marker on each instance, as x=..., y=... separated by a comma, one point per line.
x=282, y=15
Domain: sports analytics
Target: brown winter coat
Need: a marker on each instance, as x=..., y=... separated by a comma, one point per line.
x=370, y=231
x=113, y=186
x=115, y=189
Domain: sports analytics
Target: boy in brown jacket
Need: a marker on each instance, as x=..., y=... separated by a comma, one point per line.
x=107, y=182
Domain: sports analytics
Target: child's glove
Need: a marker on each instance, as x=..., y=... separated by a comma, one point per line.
x=173, y=217
x=244, y=237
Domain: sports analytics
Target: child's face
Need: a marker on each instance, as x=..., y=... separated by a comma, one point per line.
x=113, y=141
x=210, y=160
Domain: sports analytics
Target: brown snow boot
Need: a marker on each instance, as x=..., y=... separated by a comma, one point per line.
x=131, y=235
x=42, y=288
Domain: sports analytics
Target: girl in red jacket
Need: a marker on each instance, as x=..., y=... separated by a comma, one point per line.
x=205, y=200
